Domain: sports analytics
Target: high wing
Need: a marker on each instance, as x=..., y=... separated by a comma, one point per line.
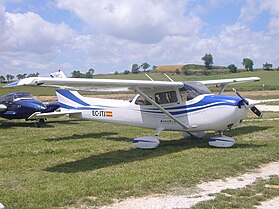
x=229, y=81
x=144, y=85
x=222, y=83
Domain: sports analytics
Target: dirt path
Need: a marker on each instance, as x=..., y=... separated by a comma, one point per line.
x=202, y=192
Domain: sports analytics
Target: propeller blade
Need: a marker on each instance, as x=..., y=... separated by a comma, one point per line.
x=253, y=108
x=238, y=94
x=256, y=111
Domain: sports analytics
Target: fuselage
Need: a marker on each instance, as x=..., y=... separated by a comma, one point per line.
x=204, y=112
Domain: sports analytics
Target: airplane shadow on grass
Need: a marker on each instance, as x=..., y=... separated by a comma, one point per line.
x=125, y=156
x=99, y=135
x=5, y=124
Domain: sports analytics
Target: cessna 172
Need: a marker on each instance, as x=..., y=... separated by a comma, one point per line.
x=188, y=107
x=21, y=105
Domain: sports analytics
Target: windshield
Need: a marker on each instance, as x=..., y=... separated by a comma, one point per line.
x=23, y=95
x=192, y=90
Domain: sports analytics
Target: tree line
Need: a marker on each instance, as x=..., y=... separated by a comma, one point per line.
x=246, y=62
x=135, y=68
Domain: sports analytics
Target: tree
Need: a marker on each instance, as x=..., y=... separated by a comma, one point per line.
x=154, y=67
x=248, y=64
x=116, y=73
x=185, y=70
x=89, y=73
x=135, y=68
x=208, y=60
x=145, y=66
x=21, y=76
x=267, y=66
x=126, y=72
x=9, y=77
x=77, y=74
x=33, y=75
x=232, y=68
x=12, y=77
x=177, y=71
x=2, y=78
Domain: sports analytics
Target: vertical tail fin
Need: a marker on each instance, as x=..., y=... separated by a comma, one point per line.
x=58, y=74
x=70, y=99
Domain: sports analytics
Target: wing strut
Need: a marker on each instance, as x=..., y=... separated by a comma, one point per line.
x=162, y=109
x=223, y=86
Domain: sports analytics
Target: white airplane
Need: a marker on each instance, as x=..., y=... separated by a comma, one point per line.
x=188, y=107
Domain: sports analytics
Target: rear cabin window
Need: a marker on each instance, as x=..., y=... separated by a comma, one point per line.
x=166, y=97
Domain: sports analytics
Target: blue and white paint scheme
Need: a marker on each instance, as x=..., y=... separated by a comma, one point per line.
x=189, y=107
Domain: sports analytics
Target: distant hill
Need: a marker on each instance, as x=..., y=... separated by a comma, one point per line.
x=191, y=67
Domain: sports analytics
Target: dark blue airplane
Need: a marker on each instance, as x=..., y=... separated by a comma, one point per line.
x=21, y=105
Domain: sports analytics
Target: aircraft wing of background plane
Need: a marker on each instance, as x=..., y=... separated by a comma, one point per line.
x=131, y=84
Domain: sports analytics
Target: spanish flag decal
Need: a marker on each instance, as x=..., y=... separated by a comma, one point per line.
x=108, y=113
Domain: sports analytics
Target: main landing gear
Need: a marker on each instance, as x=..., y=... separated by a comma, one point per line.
x=40, y=122
x=221, y=141
x=148, y=142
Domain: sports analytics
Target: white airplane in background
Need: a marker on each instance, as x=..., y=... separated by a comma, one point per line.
x=188, y=107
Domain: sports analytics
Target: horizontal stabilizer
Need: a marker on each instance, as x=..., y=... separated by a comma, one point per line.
x=38, y=115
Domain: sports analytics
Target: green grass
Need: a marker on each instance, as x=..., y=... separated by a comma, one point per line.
x=243, y=198
x=70, y=162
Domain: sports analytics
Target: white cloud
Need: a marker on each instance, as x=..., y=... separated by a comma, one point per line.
x=30, y=33
x=142, y=21
x=274, y=26
x=270, y=5
x=27, y=39
x=118, y=35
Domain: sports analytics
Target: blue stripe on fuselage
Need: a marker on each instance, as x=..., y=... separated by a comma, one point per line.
x=65, y=106
x=207, y=102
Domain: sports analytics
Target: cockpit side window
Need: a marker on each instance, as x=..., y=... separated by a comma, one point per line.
x=142, y=101
x=23, y=95
x=7, y=99
x=193, y=89
x=166, y=97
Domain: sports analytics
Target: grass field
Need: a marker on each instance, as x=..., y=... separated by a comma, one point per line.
x=70, y=162
x=73, y=163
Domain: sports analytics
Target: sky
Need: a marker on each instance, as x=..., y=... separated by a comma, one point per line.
x=111, y=35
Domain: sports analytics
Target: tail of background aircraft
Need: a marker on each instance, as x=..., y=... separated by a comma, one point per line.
x=58, y=74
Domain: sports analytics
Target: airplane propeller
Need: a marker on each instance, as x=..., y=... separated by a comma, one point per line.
x=254, y=109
